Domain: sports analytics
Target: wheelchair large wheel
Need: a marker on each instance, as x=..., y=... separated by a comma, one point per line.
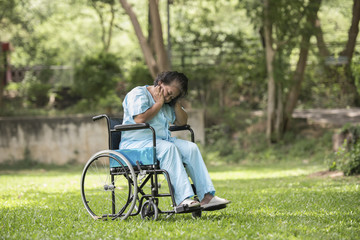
x=108, y=192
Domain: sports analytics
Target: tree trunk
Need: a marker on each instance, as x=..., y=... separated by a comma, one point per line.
x=161, y=54
x=108, y=42
x=348, y=52
x=348, y=87
x=279, y=123
x=293, y=95
x=323, y=50
x=102, y=23
x=278, y=111
x=353, y=32
x=150, y=38
x=297, y=80
x=270, y=55
x=105, y=36
x=146, y=50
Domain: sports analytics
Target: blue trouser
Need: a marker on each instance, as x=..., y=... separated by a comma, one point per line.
x=173, y=154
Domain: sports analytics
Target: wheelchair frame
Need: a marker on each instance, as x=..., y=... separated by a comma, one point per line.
x=148, y=209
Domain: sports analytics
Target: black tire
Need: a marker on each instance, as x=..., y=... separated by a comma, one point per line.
x=149, y=211
x=196, y=214
x=106, y=194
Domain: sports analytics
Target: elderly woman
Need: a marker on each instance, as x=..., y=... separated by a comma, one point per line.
x=159, y=106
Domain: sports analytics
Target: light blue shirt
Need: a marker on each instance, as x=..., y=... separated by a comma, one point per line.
x=136, y=102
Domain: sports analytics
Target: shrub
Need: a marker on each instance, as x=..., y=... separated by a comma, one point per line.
x=218, y=140
x=96, y=76
x=139, y=75
x=35, y=90
x=347, y=158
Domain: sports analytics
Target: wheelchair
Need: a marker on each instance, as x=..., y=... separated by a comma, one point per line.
x=119, y=183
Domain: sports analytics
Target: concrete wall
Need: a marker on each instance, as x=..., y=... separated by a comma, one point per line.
x=63, y=140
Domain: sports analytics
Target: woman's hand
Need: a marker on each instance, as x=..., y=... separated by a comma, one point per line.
x=158, y=95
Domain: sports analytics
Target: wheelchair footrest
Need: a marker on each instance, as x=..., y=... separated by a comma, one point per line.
x=214, y=208
x=186, y=209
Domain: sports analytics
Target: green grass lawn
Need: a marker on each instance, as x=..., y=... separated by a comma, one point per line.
x=268, y=202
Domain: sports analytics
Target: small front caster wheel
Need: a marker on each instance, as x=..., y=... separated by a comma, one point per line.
x=149, y=211
x=196, y=214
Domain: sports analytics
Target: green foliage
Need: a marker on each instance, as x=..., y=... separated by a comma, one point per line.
x=110, y=2
x=110, y=101
x=249, y=146
x=58, y=33
x=347, y=158
x=96, y=76
x=8, y=14
x=355, y=67
x=218, y=44
x=224, y=62
x=268, y=202
x=218, y=140
x=282, y=14
x=138, y=75
x=222, y=133
x=35, y=89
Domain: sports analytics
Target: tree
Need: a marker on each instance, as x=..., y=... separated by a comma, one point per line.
x=340, y=68
x=100, y=7
x=225, y=62
x=292, y=98
x=96, y=76
x=353, y=32
x=279, y=39
x=157, y=58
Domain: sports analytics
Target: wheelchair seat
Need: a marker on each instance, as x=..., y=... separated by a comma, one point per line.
x=145, y=156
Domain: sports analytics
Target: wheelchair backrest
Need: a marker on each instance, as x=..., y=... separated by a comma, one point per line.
x=114, y=136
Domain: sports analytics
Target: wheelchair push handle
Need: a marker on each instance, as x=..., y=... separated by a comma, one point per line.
x=98, y=117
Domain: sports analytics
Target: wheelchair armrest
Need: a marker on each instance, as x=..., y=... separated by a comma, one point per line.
x=128, y=127
x=179, y=128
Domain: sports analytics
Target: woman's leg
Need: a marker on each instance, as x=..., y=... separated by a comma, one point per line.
x=171, y=161
x=195, y=166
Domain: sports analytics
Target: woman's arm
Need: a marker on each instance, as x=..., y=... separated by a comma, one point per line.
x=180, y=114
x=149, y=114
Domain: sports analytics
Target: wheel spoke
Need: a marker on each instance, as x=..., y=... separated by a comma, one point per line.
x=102, y=192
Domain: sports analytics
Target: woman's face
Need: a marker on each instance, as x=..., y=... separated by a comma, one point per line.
x=170, y=91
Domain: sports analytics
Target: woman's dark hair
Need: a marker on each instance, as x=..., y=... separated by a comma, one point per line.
x=168, y=77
